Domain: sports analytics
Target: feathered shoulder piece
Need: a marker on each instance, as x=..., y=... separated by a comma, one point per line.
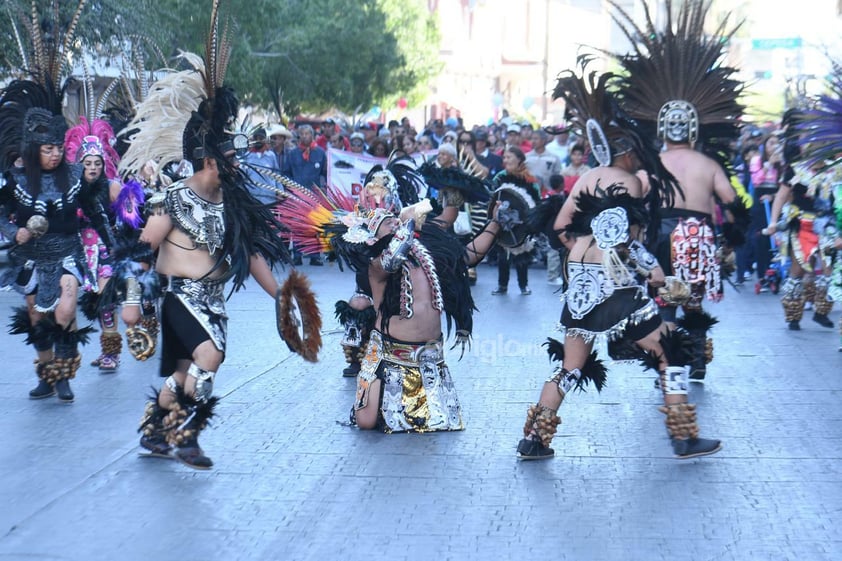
x=675, y=80
x=614, y=196
x=472, y=188
x=818, y=130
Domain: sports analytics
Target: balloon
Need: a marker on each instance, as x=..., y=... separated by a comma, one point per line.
x=497, y=99
x=402, y=103
x=375, y=111
x=528, y=102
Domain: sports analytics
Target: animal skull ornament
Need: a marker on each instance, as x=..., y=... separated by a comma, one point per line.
x=678, y=121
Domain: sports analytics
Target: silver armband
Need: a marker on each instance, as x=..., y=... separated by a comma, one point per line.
x=395, y=253
x=641, y=257
x=133, y=292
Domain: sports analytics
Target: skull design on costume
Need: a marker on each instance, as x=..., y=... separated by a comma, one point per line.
x=353, y=333
x=678, y=121
x=381, y=192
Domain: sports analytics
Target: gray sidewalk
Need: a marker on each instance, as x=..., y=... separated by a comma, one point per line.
x=291, y=482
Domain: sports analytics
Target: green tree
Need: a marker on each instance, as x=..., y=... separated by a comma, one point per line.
x=417, y=35
x=290, y=55
x=101, y=25
x=345, y=54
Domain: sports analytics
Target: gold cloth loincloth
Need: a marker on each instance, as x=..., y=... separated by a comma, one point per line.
x=417, y=392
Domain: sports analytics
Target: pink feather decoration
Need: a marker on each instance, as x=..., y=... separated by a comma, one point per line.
x=75, y=139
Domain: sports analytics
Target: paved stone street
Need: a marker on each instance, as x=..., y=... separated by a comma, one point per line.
x=291, y=482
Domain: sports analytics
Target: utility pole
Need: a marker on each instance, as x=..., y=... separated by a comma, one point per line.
x=546, y=63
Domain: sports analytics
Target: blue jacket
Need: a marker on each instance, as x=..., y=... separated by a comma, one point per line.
x=307, y=173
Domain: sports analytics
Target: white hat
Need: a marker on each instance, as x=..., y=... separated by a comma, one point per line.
x=447, y=148
x=278, y=130
x=514, y=127
x=358, y=136
x=451, y=134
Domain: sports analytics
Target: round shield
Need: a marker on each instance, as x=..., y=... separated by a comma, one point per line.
x=298, y=319
x=141, y=344
x=515, y=203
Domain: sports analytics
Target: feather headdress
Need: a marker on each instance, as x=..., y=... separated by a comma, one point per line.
x=594, y=113
x=92, y=136
x=675, y=82
x=472, y=188
x=189, y=115
x=44, y=57
x=314, y=217
x=591, y=110
x=392, y=187
x=187, y=110
x=132, y=86
x=31, y=107
x=156, y=132
x=818, y=130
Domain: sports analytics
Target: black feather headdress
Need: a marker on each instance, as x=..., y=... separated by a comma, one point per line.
x=24, y=105
x=31, y=106
x=680, y=70
x=472, y=188
x=594, y=113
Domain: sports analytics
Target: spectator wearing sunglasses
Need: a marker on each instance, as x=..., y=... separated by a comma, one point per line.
x=482, y=150
x=357, y=144
x=425, y=143
x=260, y=157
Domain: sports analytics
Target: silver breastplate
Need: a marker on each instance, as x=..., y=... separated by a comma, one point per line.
x=202, y=220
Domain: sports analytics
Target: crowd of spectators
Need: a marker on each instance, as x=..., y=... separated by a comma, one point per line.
x=554, y=161
x=300, y=153
x=284, y=150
